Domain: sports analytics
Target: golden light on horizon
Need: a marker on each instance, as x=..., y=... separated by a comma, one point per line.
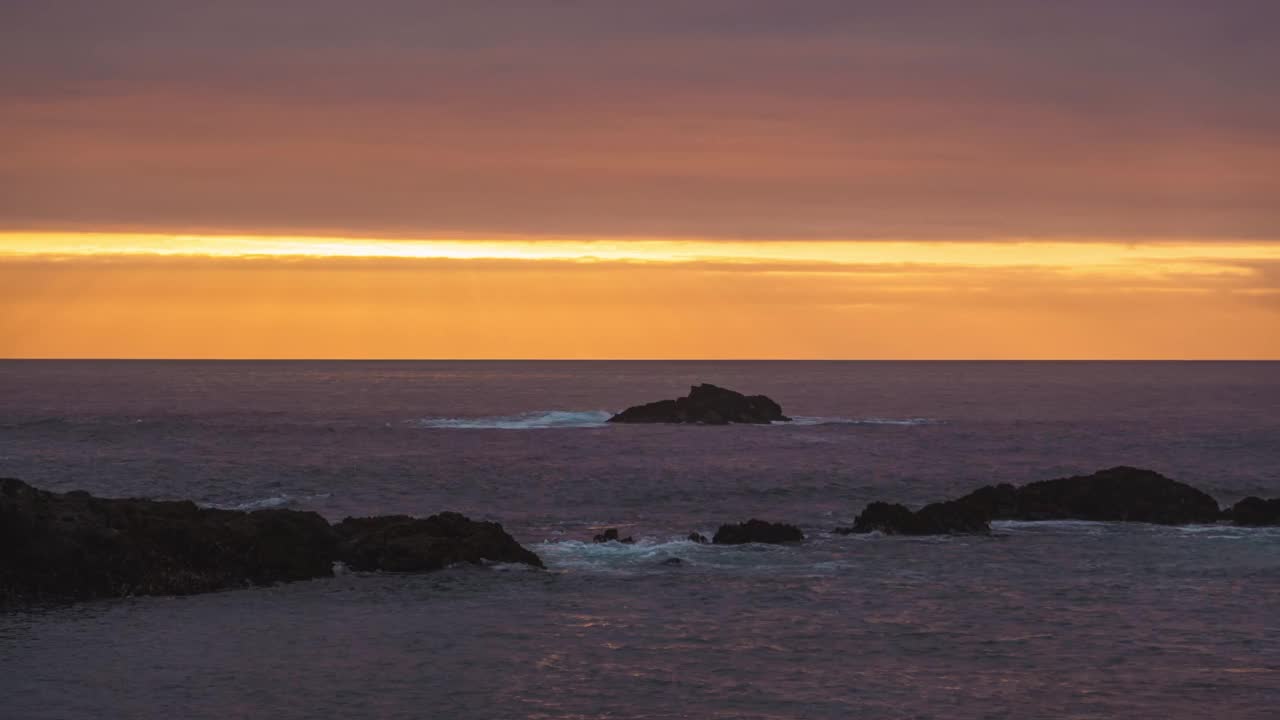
x=1095, y=255
x=172, y=295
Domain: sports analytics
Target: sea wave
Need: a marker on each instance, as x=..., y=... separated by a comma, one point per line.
x=266, y=503
x=817, y=420
x=652, y=554
x=544, y=419
x=536, y=420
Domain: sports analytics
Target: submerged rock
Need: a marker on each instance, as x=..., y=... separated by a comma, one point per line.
x=936, y=519
x=73, y=546
x=611, y=535
x=708, y=405
x=672, y=562
x=399, y=543
x=757, y=531
x=1254, y=511
x=1123, y=494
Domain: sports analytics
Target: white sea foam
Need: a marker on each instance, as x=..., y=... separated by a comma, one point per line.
x=648, y=554
x=273, y=501
x=816, y=420
x=544, y=419
x=537, y=420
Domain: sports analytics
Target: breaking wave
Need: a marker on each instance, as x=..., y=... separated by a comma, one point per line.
x=804, y=420
x=536, y=420
x=654, y=554
x=543, y=419
x=274, y=501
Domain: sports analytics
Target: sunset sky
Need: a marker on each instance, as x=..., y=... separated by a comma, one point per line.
x=621, y=179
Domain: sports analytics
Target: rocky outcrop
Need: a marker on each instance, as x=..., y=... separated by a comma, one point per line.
x=1119, y=494
x=1123, y=494
x=1254, y=511
x=73, y=546
x=707, y=405
x=697, y=537
x=399, y=543
x=612, y=535
x=937, y=519
x=757, y=531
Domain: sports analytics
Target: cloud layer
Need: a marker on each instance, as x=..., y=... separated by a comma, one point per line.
x=710, y=119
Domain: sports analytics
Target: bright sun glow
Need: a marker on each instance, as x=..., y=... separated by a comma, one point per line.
x=170, y=295
x=1092, y=256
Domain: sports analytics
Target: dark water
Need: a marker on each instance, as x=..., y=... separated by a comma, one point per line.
x=1079, y=620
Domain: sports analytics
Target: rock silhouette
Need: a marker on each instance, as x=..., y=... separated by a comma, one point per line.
x=935, y=519
x=757, y=531
x=399, y=543
x=707, y=405
x=1124, y=494
x=611, y=535
x=76, y=546
x=1254, y=511
x=1118, y=494
x=73, y=546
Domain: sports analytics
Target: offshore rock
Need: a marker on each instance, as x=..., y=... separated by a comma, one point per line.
x=73, y=546
x=937, y=519
x=697, y=537
x=1254, y=511
x=757, y=531
x=399, y=543
x=708, y=405
x=611, y=535
x=1123, y=494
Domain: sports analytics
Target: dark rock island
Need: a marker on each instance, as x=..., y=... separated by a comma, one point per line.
x=73, y=546
x=1122, y=494
x=1255, y=511
x=1119, y=494
x=707, y=405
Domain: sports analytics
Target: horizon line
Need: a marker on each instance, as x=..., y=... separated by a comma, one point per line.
x=638, y=360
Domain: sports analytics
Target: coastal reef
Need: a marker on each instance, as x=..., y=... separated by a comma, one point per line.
x=58, y=547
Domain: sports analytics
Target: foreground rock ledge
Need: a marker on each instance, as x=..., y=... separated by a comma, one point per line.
x=73, y=546
x=708, y=405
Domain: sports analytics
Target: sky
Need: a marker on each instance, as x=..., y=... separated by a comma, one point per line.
x=693, y=179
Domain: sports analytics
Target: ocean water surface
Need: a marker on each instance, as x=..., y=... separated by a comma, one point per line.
x=1066, y=619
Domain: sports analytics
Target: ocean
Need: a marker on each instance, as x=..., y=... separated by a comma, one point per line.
x=1039, y=620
